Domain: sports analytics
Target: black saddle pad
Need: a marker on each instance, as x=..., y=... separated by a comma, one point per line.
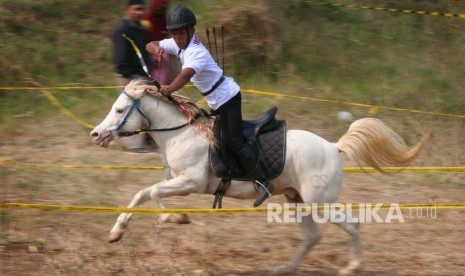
x=272, y=153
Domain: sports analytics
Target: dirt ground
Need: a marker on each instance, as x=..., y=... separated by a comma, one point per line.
x=39, y=242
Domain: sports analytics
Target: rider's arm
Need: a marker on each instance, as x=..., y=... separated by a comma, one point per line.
x=182, y=79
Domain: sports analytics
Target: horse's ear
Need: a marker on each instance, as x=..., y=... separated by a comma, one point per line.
x=151, y=89
x=129, y=85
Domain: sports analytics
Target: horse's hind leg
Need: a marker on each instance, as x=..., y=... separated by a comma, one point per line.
x=312, y=237
x=352, y=228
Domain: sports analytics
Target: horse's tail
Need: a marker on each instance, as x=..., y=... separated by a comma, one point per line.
x=370, y=142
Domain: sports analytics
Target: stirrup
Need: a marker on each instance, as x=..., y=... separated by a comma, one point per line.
x=263, y=194
x=264, y=187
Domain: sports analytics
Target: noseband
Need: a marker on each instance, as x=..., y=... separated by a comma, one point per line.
x=136, y=106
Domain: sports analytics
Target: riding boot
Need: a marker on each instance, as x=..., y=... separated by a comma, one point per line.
x=253, y=168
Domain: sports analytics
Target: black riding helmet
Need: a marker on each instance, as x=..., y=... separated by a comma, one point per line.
x=180, y=17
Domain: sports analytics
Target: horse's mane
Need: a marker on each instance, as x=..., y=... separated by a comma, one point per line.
x=196, y=115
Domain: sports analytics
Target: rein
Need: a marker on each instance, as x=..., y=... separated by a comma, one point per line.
x=136, y=106
x=130, y=133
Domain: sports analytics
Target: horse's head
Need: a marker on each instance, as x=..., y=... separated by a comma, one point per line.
x=129, y=114
x=125, y=114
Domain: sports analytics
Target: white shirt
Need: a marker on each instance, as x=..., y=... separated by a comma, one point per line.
x=207, y=72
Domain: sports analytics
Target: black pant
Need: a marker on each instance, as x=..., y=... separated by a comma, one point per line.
x=230, y=116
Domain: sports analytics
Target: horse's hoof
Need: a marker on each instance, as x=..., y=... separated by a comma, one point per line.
x=351, y=269
x=176, y=218
x=115, y=236
x=282, y=269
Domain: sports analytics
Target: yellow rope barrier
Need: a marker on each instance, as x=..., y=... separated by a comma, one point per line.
x=429, y=169
x=406, y=170
x=250, y=91
x=392, y=10
x=32, y=88
x=369, y=106
x=101, y=209
x=77, y=166
x=65, y=111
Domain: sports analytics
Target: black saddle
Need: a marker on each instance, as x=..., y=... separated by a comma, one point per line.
x=266, y=135
x=265, y=123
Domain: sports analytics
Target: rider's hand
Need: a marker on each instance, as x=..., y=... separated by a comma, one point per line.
x=153, y=48
x=165, y=90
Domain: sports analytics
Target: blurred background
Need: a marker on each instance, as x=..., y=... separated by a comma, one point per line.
x=311, y=48
x=330, y=63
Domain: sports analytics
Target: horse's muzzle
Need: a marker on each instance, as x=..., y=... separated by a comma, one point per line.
x=101, y=139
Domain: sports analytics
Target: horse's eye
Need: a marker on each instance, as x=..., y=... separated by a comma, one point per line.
x=119, y=110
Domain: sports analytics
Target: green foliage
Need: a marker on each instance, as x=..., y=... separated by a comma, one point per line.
x=55, y=42
x=375, y=57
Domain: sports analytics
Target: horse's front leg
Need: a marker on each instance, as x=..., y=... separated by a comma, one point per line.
x=122, y=222
x=181, y=185
x=160, y=191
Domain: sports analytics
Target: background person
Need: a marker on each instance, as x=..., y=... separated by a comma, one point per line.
x=127, y=63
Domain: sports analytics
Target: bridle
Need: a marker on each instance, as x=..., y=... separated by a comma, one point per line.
x=136, y=106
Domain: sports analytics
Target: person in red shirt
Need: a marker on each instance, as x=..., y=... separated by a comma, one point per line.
x=156, y=16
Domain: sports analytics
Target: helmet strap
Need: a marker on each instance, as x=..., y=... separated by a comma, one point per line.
x=188, y=37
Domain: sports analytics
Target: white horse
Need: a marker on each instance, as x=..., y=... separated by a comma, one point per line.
x=185, y=155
